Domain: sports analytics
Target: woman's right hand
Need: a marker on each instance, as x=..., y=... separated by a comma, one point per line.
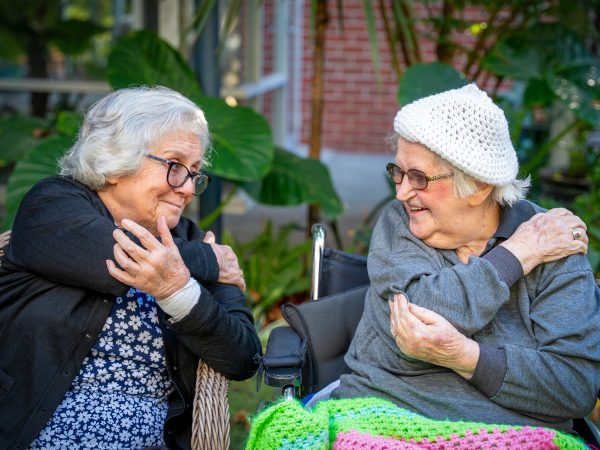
x=229, y=267
x=547, y=237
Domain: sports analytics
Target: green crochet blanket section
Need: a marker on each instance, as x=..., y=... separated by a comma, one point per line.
x=288, y=425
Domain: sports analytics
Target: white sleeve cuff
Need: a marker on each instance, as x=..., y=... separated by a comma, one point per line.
x=180, y=303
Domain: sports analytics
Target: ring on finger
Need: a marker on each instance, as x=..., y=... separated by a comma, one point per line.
x=577, y=233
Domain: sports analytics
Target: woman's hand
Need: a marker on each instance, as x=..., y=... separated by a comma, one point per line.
x=546, y=237
x=423, y=334
x=156, y=268
x=229, y=267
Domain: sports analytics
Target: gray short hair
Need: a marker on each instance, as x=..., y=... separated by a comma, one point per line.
x=464, y=185
x=120, y=127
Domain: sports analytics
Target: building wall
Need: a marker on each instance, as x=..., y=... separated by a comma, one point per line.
x=358, y=110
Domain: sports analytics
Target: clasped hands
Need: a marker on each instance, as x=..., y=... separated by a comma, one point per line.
x=425, y=335
x=156, y=266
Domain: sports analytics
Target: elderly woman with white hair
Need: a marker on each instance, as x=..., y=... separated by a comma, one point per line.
x=108, y=295
x=482, y=306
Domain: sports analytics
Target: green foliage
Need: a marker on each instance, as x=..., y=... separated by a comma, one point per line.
x=241, y=138
x=555, y=64
x=242, y=141
x=274, y=268
x=296, y=180
x=39, y=158
x=423, y=79
x=18, y=136
x=244, y=152
x=142, y=57
x=587, y=207
x=42, y=22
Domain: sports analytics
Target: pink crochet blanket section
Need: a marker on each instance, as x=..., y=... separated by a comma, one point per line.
x=523, y=439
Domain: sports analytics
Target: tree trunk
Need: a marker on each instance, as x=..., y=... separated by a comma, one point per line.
x=316, y=122
x=37, y=67
x=445, y=49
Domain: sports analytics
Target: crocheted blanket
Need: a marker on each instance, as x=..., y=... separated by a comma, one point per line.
x=371, y=423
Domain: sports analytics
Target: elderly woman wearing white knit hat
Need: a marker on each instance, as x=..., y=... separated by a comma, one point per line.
x=482, y=306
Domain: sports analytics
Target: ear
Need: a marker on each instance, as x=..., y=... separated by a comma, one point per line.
x=111, y=180
x=481, y=195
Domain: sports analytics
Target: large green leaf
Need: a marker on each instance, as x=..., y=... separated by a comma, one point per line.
x=242, y=143
x=142, y=58
x=293, y=181
x=423, y=79
x=511, y=59
x=536, y=52
x=39, y=163
x=17, y=136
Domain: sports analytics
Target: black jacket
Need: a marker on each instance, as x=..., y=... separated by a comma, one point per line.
x=56, y=294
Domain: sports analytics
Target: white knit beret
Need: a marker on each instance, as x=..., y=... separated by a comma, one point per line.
x=465, y=128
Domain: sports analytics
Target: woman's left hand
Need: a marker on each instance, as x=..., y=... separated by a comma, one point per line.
x=156, y=267
x=423, y=334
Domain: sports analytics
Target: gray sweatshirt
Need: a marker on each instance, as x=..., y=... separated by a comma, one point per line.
x=539, y=335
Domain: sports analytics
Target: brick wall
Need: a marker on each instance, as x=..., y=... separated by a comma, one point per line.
x=358, y=112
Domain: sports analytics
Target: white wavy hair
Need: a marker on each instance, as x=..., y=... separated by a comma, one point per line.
x=122, y=126
x=464, y=185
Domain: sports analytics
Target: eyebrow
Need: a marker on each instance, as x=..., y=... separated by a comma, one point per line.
x=179, y=154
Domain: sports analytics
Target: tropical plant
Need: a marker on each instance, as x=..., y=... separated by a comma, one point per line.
x=34, y=148
x=557, y=67
x=588, y=208
x=243, y=150
x=31, y=28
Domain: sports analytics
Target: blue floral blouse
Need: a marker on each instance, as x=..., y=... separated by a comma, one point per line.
x=119, y=398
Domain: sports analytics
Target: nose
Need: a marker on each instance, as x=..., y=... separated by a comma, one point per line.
x=188, y=188
x=404, y=191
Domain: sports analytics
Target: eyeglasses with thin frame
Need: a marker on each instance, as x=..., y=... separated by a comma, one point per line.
x=416, y=178
x=178, y=174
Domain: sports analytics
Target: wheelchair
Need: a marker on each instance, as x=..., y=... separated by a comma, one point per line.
x=306, y=356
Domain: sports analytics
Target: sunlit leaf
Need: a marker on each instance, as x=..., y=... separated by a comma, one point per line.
x=241, y=138
x=293, y=181
x=142, y=58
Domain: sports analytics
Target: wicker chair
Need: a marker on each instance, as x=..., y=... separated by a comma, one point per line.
x=210, y=426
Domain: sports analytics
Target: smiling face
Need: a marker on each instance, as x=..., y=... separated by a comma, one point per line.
x=437, y=215
x=145, y=195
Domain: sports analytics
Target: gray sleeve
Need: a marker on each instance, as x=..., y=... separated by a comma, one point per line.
x=508, y=266
x=560, y=377
x=467, y=295
x=490, y=370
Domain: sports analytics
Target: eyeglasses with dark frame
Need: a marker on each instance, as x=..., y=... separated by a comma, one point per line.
x=178, y=174
x=417, y=179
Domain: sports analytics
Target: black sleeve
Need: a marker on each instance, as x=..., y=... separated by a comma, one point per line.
x=63, y=232
x=220, y=330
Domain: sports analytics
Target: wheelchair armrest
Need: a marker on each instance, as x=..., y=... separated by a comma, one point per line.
x=588, y=430
x=284, y=358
